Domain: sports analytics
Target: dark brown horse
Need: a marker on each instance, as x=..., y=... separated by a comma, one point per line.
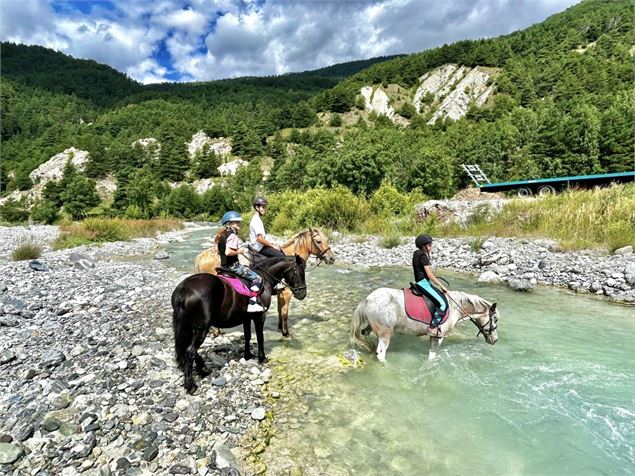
x=204, y=300
x=306, y=243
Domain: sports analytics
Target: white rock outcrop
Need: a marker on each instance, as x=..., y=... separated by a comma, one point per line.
x=459, y=211
x=376, y=100
x=106, y=187
x=230, y=168
x=219, y=145
x=51, y=170
x=455, y=87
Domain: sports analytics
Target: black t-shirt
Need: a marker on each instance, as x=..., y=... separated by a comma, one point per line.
x=419, y=260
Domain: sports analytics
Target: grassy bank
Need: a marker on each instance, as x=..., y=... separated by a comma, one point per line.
x=101, y=230
x=602, y=217
x=598, y=218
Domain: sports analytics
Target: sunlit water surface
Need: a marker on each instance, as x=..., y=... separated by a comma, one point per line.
x=555, y=395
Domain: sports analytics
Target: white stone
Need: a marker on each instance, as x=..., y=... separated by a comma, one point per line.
x=230, y=168
x=220, y=145
x=376, y=100
x=53, y=169
x=489, y=277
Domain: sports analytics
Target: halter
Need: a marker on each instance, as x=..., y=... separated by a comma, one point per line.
x=481, y=329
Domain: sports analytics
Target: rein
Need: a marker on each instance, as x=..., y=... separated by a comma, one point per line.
x=275, y=280
x=481, y=329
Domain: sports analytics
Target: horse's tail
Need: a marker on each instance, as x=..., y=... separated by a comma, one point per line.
x=182, y=328
x=360, y=327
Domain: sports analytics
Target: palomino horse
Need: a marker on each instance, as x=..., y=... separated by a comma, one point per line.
x=306, y=243
x=203, y=300
x=382, y=312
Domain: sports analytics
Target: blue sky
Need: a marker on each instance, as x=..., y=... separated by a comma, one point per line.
x=202, y=40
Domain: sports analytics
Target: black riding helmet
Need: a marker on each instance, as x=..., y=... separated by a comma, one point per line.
x=422, y=240
x=260, y=201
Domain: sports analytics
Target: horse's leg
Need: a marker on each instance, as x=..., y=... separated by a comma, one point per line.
x=284, y=297
x=260, y=324
x=382, y=344
x=200, y=363
x=198, y=336
x=247, y=331
x=435, y=343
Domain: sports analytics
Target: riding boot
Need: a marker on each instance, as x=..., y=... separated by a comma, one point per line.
x=434, y=329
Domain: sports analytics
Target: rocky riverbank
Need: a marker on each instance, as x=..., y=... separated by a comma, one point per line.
x=87, y=378
x=88, y=382
x=520, y=263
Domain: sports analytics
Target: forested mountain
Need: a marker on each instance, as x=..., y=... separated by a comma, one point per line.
x=561, y=103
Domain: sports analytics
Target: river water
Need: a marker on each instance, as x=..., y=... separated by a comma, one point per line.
x=555, y=395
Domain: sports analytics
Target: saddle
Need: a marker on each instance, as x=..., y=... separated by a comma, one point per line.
x=238, y=284
x=419, y=307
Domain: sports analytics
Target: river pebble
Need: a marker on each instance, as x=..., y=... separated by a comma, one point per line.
x=88, y=382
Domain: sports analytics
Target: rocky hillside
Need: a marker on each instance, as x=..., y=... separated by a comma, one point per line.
x=446, y=92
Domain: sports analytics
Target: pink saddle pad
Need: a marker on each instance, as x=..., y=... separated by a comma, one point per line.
x=418, y=308
x=238, y=286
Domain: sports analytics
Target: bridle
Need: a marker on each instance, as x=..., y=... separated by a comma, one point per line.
x=275, y=280
x=320, y=255
x=481, y=329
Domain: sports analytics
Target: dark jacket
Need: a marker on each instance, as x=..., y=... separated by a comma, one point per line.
x=226, y=261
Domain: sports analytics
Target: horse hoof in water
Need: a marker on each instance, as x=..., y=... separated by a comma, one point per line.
x=193, y=388
x=264, y=360
x=248, y=356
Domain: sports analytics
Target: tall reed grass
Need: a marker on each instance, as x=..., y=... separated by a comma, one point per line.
x=101, y=230
x=597, y=218
x=601, y=217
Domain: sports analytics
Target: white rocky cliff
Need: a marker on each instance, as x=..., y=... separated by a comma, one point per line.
x=453, y=89
x=51, y=170
x=376, y=100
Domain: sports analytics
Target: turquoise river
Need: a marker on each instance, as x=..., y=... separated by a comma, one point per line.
x=555, y=395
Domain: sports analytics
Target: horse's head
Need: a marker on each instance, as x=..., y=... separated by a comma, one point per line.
x=320, y=246
x=483, y=314
x=491, y=324
x=294, y=276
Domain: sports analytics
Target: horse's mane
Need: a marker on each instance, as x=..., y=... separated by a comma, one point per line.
x=300, y=239
x=477, y=303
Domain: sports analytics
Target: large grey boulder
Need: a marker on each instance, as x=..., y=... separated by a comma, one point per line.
x=521, y=284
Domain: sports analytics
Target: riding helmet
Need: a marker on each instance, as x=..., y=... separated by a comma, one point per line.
x=422, y=240
x=260, y=201
x=231, y=216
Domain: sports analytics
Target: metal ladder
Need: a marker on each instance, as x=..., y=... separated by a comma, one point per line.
x=476, y=174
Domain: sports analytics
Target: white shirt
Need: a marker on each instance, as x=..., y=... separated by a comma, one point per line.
x=256, y=227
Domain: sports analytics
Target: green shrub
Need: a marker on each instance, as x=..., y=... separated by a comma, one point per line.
x=390, y=241
x=66, y=240
x=14, y=212
x=407, y=110
x=336, y=120
x=388, y=201
x=26, y=249
x=334, y=208
x=106, y=230
x=44, y=211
